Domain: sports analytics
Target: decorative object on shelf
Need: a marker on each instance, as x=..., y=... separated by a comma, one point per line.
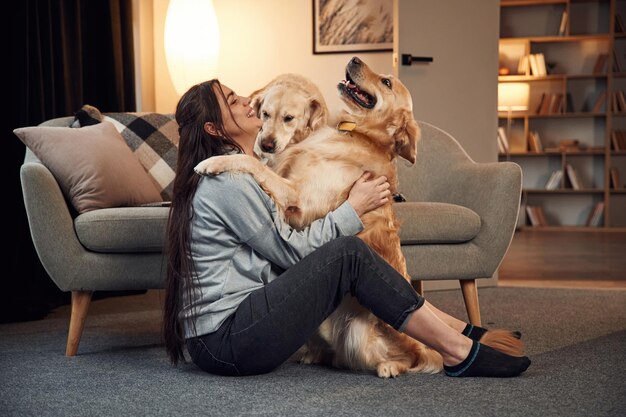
x=571, y=145
x=352, y=26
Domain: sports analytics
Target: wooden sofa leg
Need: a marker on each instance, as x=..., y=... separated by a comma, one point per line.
x=80, y=306
x=470, y=295
x=418, y=285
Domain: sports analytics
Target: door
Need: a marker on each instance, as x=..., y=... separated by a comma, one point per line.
x=457, y=91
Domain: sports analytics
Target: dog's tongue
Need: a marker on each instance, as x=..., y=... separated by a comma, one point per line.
x=364, y=97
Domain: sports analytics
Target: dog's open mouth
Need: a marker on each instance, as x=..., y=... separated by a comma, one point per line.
x=360, y=97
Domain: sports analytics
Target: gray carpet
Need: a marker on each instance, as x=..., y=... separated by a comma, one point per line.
x=576, y=340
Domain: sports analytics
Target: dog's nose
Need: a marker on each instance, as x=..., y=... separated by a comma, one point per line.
x=355, y=61
x=268, y=145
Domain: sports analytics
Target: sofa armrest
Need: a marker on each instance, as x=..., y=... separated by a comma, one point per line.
x=50, y=221
x=444, y=173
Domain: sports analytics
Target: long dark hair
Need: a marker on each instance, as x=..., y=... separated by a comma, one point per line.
x=196, y=107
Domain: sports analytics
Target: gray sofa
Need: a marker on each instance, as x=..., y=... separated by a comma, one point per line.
x=457, y=224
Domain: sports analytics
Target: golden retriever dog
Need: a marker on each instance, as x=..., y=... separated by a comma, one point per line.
x=378, y=128
x=291, y=107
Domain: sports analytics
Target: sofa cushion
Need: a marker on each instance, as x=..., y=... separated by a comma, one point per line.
x=93, y=166
x=142, y=229
x=123, y=230
x=153, y=137
x=423, y=223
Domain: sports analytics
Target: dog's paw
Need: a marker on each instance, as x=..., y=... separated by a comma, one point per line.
x=390, y=369
x=210, y=166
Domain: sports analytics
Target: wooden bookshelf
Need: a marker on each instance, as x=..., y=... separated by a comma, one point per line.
x=582, y=46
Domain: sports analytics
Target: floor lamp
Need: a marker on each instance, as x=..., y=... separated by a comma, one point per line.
x=191, y=42
x=512, y=97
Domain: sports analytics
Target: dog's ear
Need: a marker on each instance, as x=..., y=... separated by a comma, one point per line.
x=256, y=100
x=319, y=114
x=406, y=137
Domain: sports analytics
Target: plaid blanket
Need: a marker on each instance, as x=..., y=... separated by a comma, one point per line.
x=153, y=137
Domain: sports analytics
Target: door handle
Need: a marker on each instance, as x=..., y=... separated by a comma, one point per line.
x=408, y=59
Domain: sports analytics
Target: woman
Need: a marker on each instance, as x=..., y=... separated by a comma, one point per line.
x=244, y=290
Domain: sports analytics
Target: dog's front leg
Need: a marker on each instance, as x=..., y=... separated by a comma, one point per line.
x=277, y=187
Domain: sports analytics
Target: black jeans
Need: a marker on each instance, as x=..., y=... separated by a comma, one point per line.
x=273, y=322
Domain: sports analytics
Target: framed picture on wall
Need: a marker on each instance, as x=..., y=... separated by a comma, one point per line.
x=341, y=26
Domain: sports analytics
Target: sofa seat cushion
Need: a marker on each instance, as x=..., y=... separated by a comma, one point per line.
x=123, y=230
x=424, y=223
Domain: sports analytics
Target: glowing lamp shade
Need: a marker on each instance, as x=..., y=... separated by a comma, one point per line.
x=192, y=42
x=513, y=96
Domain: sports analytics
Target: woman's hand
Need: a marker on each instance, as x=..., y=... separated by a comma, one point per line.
x=367, y=195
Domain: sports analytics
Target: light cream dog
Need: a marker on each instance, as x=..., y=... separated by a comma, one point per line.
x=291, y=107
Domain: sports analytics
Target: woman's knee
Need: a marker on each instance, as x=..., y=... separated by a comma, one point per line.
x=350, y=244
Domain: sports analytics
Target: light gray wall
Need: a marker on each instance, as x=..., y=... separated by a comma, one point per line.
x=458, y=90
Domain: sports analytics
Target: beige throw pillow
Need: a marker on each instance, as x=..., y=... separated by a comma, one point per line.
x=93, y=165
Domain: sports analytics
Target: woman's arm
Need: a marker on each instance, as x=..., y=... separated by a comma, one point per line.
x=249, y=212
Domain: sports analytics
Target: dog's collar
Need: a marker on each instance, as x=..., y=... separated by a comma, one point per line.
x=346, y=126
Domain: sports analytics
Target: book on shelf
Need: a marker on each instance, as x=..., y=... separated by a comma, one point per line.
x=534, y=142
x=598, y=106
x=614, y=174
x=536, y=216
x=503, y=140
x=554, y=182
x=550, y=103
x=500, y=145
x=619, y=24
x=618, y=140
x=523, y=66
x=541, y=103
x=621, y=99
x=537, y=64
x=563, y=24
x=595, y=215
x=616, y=65
x=541, y=64
x=618, y=101
x=556, y=103
x=532, y=64
x=598, y=68
x=573, y=178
